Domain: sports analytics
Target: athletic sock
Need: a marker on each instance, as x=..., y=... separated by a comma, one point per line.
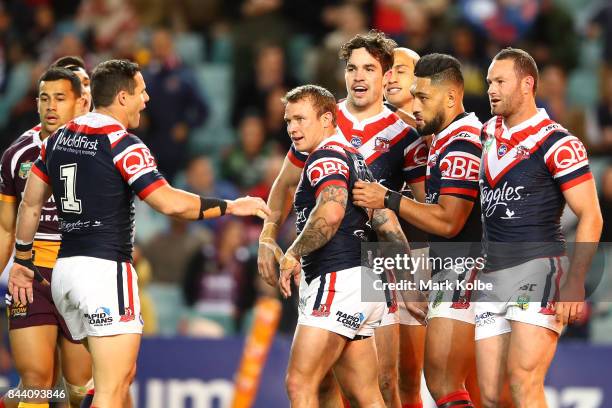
x=33, y=405
x=416, y=405
x=86, y=403
x=457, y=399
x=345, y=402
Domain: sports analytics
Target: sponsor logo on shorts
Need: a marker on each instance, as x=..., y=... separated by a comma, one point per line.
x=128, y=316
x=462, y=303
x=322, y=311
x=485, y=318
x=549, y=309
x=351, y=321
x=523, y=301
x=17, y=310
x=101, y=317
x=528, y=287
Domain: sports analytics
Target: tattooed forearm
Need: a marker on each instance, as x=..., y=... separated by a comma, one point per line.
x=388, y=229
x=317, y=233
x=323, y=221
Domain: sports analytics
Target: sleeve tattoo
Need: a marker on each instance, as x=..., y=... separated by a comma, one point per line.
x=318, y=231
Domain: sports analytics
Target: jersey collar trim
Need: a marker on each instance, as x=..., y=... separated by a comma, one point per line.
x=532, y=121
x=360, y=125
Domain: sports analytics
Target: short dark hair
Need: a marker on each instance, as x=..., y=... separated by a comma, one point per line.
x=322, y=100
x=111, y=77
x=376, y=43
x=524, y=64
x=57, y=73
x=439, y=68
x=69, y=61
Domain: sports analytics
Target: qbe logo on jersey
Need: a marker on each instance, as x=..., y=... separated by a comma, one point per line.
x=569, y=153
x=460, y=166
x=135, y=161
x=325, y=167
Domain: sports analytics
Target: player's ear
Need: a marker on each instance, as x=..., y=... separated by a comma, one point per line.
x=122, y=98
x=528, y=84
x=327, y=118
x=451, y=97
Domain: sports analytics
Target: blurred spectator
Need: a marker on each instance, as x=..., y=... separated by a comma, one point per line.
x=552, y=91
x=169, y=251
x=104, y=21
x=550, y=44
x=219, y=283
x=604, y=116
x=269, y=74
x=245, y=162
x=273, y=167
x=276, y=127
x=201, y=179
x=349, y=20
x=175, y=107
x=506, y=22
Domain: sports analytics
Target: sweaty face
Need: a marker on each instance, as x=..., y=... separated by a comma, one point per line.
x=399, y=81
x=504, y=88
x=364, y=79
x=305, y=129
x=428, y=106
x=57, y=104
x=136, y=101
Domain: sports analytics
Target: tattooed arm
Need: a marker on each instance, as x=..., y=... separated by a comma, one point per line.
x=388, y=228
x=323, y=221
x=320, y=227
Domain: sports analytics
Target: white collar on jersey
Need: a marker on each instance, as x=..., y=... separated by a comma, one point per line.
x=534, y=120
x=97, y=120
x=360, y=125
x=467, y=119
x=36, y=136
x=335, y=138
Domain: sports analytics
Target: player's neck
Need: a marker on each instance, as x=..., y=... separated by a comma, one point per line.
x=526, y=111
x=366, y=112
x=324, y=136
x=43, y=134
x=451, y=116
x=109, y=111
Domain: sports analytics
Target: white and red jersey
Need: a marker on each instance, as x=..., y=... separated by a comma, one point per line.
x=523, y=174
x=394, y=151
x=95, y=168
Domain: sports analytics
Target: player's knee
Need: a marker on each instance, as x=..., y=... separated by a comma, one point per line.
x=410, y=382
x=36, y=378
x=490, y=397
x=132, y=374
x=293, y=384
x=523, y=380
x=387, y=381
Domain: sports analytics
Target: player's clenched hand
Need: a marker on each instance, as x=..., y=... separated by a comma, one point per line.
x=268, y=255
x=416, y=304
x=246, y=206
x=20, y=284
x=570, y=307
x=289, y=266
x=369, y=195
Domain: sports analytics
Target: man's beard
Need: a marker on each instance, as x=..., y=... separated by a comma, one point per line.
x=432, y=127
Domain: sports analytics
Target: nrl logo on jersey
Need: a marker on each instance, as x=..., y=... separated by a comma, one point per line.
x=24, y=169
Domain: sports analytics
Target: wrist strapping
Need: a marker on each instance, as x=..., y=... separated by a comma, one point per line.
x=393, y=200
x=212, y=207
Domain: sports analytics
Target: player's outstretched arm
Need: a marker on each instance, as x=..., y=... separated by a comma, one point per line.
x=8, y=216
x=446, y=218
x=582, y=199
x=36, y=193
x=269, y=252
x=182, y=204
x=321, y=226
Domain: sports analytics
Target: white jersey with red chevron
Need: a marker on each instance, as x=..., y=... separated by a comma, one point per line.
x=524, y=171
x=394, y=151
